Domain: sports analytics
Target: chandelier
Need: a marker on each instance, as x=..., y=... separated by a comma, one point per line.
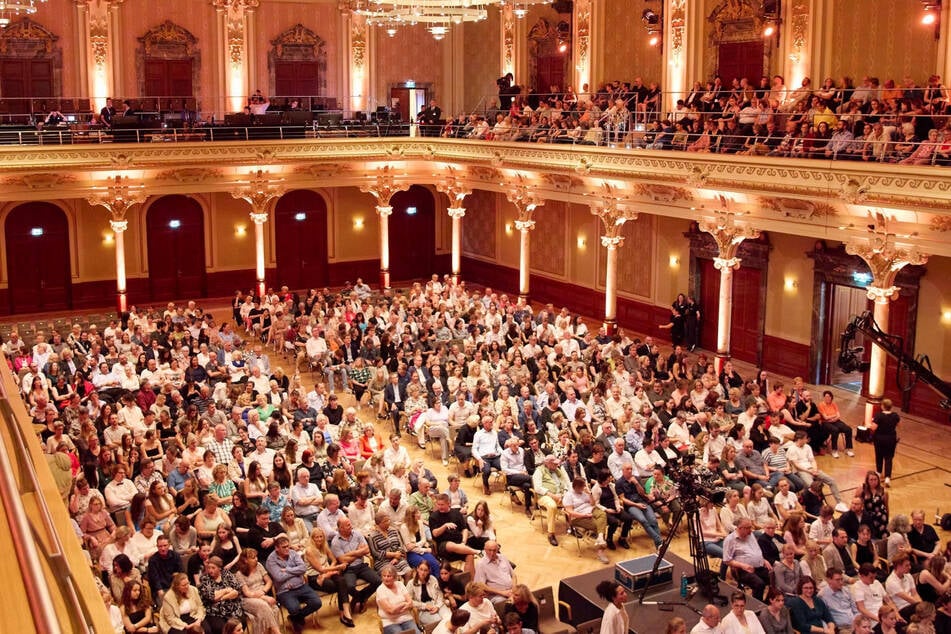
x=437, y=16
x=12, y=9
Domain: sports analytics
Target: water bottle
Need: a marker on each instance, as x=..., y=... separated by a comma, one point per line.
x=683, y=585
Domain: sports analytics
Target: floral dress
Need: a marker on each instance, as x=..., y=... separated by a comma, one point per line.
x=223, y=608
x=877, y=513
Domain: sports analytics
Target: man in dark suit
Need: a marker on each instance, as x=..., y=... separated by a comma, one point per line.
x=429, y=117
x=394, y=395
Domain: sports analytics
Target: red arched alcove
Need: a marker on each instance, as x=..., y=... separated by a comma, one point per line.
x=176, y=244
x=38, y=269
x=300, y=238
x=412, y=234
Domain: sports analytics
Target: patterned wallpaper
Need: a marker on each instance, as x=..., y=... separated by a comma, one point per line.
x=882, y=38
x=548, y=239
x=482, y=51
x=626, y=52
x=479, y=226
x=635, y=258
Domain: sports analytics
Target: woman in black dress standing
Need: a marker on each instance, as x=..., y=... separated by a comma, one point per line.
x=885, y=438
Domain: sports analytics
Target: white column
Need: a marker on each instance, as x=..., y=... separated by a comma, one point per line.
x=384, y=212
x=119, y=228
x=259, y=218
x=457, y=214
x=881, y=298
x=611, y=243
x=524, y=256
x=725, y=317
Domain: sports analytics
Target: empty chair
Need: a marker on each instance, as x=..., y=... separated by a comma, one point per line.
x=548, y=621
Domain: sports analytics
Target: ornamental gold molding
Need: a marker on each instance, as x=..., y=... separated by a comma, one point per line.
x=189, y=175
x=47, y=180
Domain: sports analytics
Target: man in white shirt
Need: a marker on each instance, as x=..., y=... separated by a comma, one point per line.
x=496, y=572
x=900, y=586
x=618, y=458
x=306, y=498
x=582, y=513
x=709, y=621
x=516, y=473
x=316, y=348
x=264, y=456
x=869, y=594
x=120, y=490
x=486, y=451
x=647, y=458
x=804, y=463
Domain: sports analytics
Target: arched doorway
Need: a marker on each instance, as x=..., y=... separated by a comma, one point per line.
x=300, y=232
x=412, y=234
x=176, y=244
x=37, y=239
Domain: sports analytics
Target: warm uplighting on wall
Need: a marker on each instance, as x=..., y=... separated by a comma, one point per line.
x=791, y=284
x=240, y=230
x=674, y=260
x=582, y=242
x=358, y=223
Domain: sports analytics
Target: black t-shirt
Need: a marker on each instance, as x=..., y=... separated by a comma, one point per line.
x=256, y=535
x=925, y=541
x=887, y=423
x=452, y=516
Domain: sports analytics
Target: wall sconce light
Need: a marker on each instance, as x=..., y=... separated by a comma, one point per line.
x=582, y=242
x=674, y=261
x=654, y=24
x=946, y=316
x=508, y=228
x=240, y=230
x=772, y=19
x=358, y=223
x=108, y=238
x=932, y=16
x=791, y=284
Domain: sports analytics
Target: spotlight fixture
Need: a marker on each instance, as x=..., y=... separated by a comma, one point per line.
x=650, y=17
x=654, y=25
x=769, y=30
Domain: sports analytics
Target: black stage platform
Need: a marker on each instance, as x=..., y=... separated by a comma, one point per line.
x=578, y=592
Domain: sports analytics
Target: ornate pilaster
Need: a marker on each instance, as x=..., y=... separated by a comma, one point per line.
x=674, y=54
x=728, y=236
x=383, y=188
x=234, y=25
x=96, y=28
x=508, y=40
x=457, y=193
x=582, y=44
x=885, y=259
x=259, y=193
x=608, y=208
x=523, y=196
x=118, y=197
x=357, y=51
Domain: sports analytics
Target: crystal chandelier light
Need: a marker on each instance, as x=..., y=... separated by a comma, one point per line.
x=13, y=9
x=437, y=16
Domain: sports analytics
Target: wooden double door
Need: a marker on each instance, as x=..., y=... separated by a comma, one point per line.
x=746, y=329
x=38, y=262
x=176, y=247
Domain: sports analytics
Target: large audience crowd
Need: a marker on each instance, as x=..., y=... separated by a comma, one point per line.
x=211, y=488
x=874, y=121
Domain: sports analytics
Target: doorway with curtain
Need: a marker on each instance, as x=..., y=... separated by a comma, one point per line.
x=176, y=245
x=300, y=236
x=38, y=267
x=740, y=59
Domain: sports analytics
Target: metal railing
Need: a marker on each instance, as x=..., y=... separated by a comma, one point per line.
x=28, y=529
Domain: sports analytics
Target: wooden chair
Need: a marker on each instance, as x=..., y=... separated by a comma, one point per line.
x=548, y=621
x=590, y=627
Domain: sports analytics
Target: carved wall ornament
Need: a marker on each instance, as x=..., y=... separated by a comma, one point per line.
x=884, y=257
x=236, y=41
x=561, y=182
x=323, y=170
x=299, y=44
x=799, y=19
x=522, y=194
x=24, y=37
x=259, y=192
x=43, y=180
x=358, y=41
x=383, y=186
x=118, y=197
x=941, y=223
x=697, y=177
x=727, y=233
x=663, y=193
x=508, y=38
x=454, y=188
x=171, y=42
x=797, y=208
x=236, y=5
x=734, y=20
x=484, y=174
x=99, y=40
x=854, y=192
x=583, y=30
x=678, y=21
x=189, y=175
